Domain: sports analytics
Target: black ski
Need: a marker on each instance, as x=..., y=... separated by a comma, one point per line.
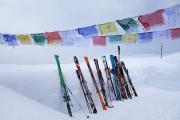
x=101, y=82
x=87, y=94
x=128, y=77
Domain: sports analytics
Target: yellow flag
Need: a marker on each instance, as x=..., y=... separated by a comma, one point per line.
x=24, y=39
x=108, y=28
x=129, y=38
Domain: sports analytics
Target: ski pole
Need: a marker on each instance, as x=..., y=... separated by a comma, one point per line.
x=87, y=116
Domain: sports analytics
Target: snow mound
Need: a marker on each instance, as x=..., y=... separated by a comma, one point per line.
x=18, y=107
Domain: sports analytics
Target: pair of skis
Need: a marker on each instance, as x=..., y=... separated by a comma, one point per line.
x=65, y=90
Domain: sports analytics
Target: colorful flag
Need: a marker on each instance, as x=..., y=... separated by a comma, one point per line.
x=82, y=41
x=24, y=39
x=88, y=31
x=175, y=33
x=10, y=39
x=145, y=37
x=53, y=37
x=1, y=39
x=161, y=35
x=115, y=38
x=108, y=28
x=173, y=15
x=129, y=38
x=129, y=25
x=99, y=40
x=39, y=38
x=152, y=19
x=68, y=37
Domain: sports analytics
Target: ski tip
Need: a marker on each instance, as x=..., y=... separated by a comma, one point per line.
x=56, y=55
x=86, y=59
x=75, y=59
x=95, y=60
x=118, y=47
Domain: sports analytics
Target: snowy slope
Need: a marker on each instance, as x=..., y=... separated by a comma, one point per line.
x=156, y=80
x=18, y=107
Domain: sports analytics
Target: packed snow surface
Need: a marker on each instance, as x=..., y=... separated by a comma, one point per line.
x=33, y=91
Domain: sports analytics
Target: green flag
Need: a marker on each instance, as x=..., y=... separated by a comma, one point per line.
x=129, y=25
x=39, y=38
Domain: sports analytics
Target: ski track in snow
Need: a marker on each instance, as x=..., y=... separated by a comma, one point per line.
x=156, y=80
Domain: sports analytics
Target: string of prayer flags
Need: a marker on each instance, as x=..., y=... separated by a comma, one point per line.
x=53, y=37
x=129, y=38
x=145, y=37
x=24, y=39
x=129, y=25
x=88, y=31
x=39, y=38
x=108, y=28
x=115, y=38
x=150, y=20
x=175, y=33
x=99, y=40
x=10, y=39
x=173, y=15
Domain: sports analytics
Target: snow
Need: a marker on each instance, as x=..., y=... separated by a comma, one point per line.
x=29, y=81
x=37, y=87
x=17, y=107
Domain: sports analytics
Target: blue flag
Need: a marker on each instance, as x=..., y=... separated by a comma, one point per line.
x=115, y=38
x=88, y=31
x=145, y=37
x=10, y=39
x=1, y=39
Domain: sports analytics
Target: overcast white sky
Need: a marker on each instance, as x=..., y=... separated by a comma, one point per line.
x=31, y=16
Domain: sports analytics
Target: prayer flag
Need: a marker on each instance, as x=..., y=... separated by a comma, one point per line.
x=130, y=38
x=82, y=41
x=115, y=38
x=108, y=28
x=173, y=15
x=145, y=37
x=162, y=35
x=175, y=33
x=129, y=25
x=39, y=38
x=10, y=39
x=152, y=19
x=1, y=39
x=88, y=31
x=99, y=40
x=24, y=39
x=53, y=37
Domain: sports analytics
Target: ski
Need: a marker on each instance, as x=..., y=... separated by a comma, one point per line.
x=101, y=82
x=124, y=86
x=64, y=87
x=128, y=89
x=129, y=79
x=95, y=83
x=87, y=94
x=116, y=79
x=111, y=88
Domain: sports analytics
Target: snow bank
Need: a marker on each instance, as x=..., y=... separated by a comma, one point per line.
x=17, y=107
x=41, y=82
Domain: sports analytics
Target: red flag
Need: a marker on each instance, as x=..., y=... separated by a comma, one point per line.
x=152, y=19
x=53, y=37
x=99, y=40
x=175, y=33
